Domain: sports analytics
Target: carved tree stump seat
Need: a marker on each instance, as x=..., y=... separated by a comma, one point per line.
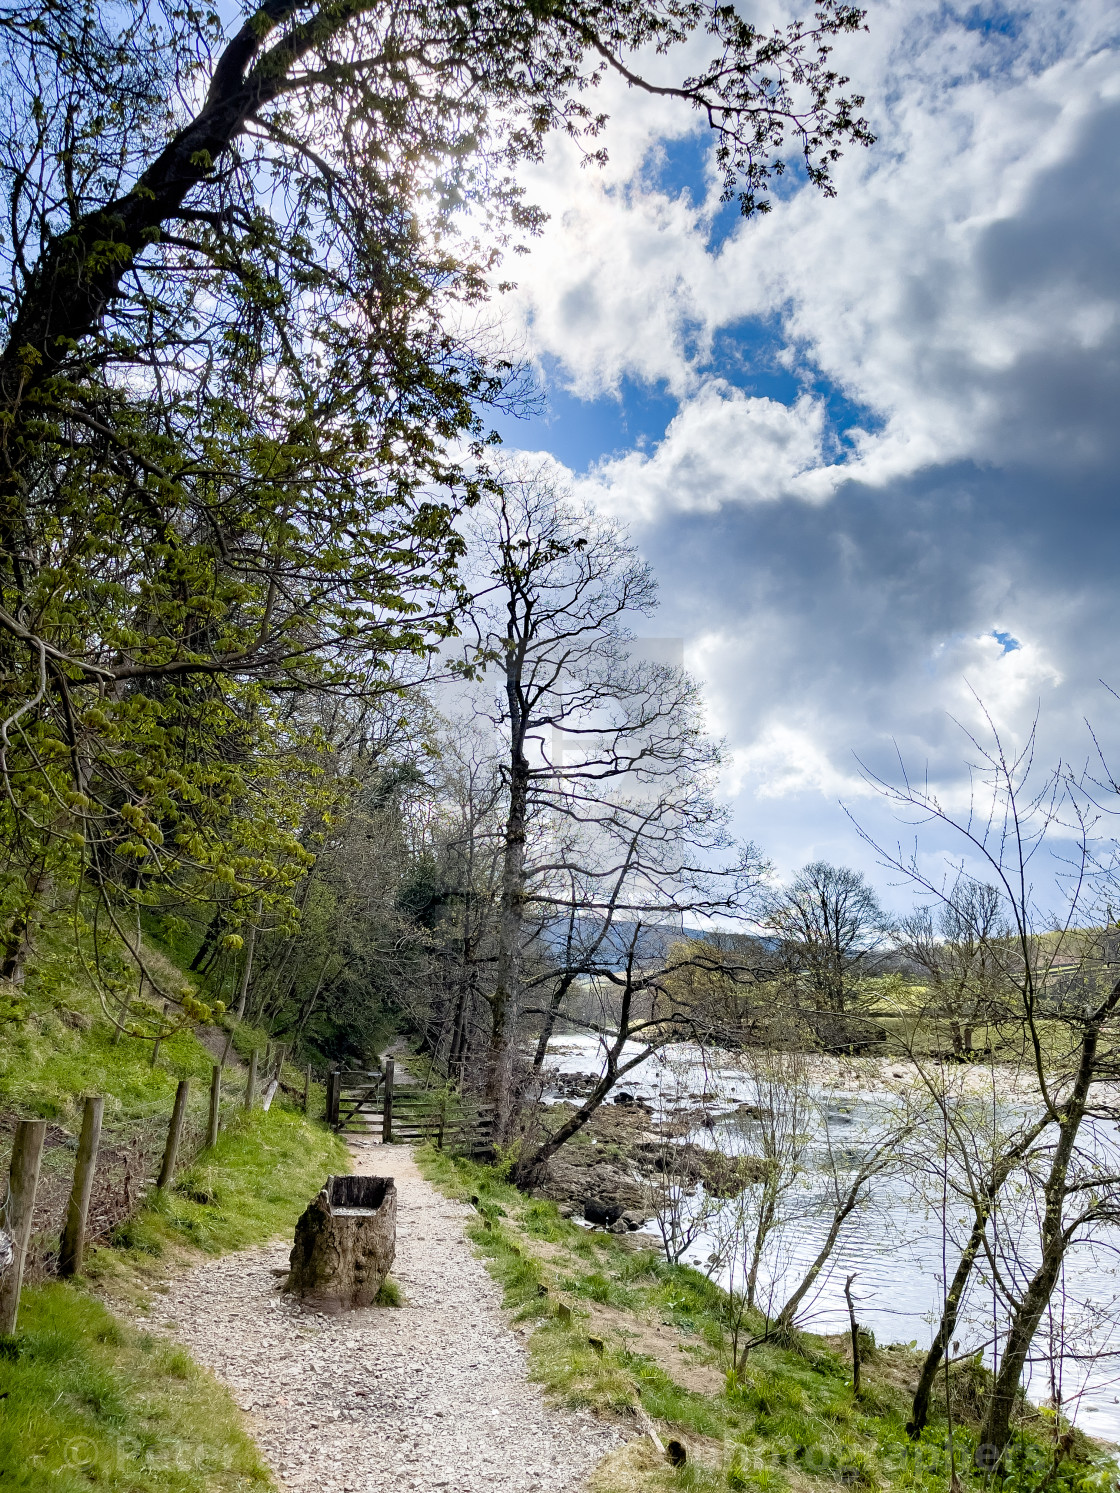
x=346, y=1239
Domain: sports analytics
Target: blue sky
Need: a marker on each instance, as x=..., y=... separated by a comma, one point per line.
x=869, y=444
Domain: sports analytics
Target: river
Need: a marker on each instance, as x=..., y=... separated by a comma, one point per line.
x=895, y=1246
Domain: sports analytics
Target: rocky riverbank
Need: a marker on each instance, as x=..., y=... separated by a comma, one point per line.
x=622, y=1156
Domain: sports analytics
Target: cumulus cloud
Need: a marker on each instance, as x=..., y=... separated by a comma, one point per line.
x=724, y=446
x=888, y=490
x=924, y=291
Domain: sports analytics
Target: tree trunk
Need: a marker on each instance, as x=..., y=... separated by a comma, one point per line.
x=20, y=939
x=530, y=1170
x=345, y=1243
x=550, y=1020
x=209, y=938
x=765, y=1223
x=996, y=1430
x=919, y=1412
x=847, y=1205
x=506, y=995
x=247, y=971
x=854, y=1326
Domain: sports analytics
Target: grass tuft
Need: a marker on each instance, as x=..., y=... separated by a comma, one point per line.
x=390, y=1293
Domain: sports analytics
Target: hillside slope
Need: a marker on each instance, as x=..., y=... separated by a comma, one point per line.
x=89, y=1399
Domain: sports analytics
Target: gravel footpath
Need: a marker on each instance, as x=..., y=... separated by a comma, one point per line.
x=430, y=1395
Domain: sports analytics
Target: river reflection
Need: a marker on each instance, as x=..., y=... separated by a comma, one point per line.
x=895, y=1246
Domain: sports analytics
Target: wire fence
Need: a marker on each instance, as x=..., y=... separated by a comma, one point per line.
x=128, y=1163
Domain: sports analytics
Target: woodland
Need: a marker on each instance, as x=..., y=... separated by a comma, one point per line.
x=287, y=652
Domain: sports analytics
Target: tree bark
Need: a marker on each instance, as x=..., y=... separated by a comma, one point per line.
x=345, y=1244
x=20, y=940
x=919, y=1412
x=854, y=1326
x=209, y=939
x=23, y=1182
x=507, y=982
x=996, y=1430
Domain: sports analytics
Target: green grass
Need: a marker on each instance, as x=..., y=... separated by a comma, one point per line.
x=252, y=1186
x=790, y=1420
x=129, y=1411
x=389, y=1294
x=57, y=1045
x=48, y=1061
x=91, y=1402
x=87, y=1400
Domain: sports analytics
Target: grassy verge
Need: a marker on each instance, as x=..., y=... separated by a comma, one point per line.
x=87, y=1398
x=250, y=1187
x=617, y=1330
x=90, y=1401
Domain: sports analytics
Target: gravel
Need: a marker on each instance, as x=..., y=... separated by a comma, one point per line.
x=431, y=1395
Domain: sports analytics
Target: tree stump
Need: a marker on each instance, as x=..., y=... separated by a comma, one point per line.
x=346, y=1239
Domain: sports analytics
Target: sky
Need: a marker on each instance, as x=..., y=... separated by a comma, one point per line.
x=869, y=444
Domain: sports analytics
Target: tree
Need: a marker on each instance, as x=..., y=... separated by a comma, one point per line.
x=1059, y=998
x=773, y=1150
x=953, y=945
x=847, y=1190
x=608, y=820
x=237, y=405
x=238, y=305
x=981, y=1150
x=830, y=924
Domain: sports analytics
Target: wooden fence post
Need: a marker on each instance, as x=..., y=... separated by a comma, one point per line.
x=74, y=1234
x=387, y=1111
x=251, y=1081
x=215, y=1106
x=334, y=1090
x=27, y=1153
x=307, y=1090
x=855, y=1335
x=174, y=1134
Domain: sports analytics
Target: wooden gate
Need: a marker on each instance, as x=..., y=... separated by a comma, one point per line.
x=361, y=1102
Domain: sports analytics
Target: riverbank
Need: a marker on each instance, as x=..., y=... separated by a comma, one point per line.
x=615, y=1330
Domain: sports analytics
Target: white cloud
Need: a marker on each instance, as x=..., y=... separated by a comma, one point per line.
x=786, y=761
x=961, y=290
x=723, y=447
x=896, y=290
